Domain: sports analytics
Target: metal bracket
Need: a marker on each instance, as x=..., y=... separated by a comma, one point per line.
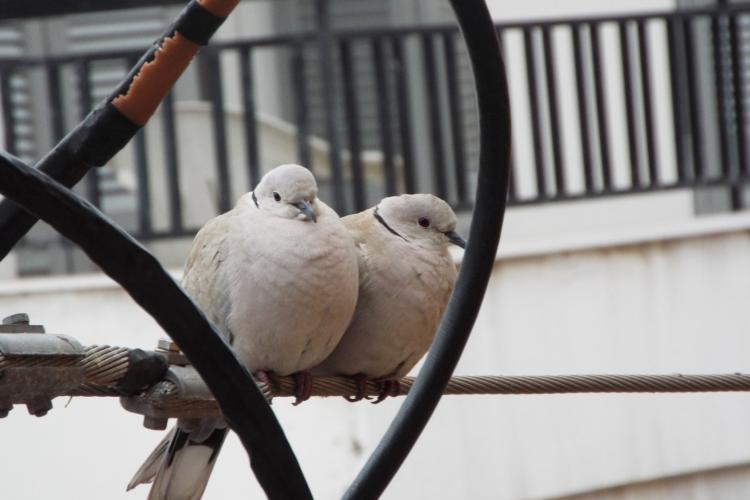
x=34, y=385
x=182, y=394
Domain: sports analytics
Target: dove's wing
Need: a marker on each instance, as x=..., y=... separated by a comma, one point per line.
x=181, y=464
x=359, y=225
x=403, y=290
x=194, y=450
x=204, y=278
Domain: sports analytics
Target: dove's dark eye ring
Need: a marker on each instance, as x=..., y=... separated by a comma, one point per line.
x=276, y=196
x=424, y=222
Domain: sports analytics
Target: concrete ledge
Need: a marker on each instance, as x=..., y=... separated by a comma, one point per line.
x=694, y=228
x=63, y=283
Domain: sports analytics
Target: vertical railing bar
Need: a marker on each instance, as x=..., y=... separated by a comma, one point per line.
x=351, y=115
x=630, y=112
x=384, y=114
x=583, y=105
x=601, y=106
x=330, y=109
x=457, y=124
x=720, y=81
x=9, y=131
x=434, y=116
x=248, y=116
x=738, y=87
x=58, y=131
x=83, y=69
x=55, y=100
x=555, y=123
x=300, y=105
x=675, y=46
x=172, y=162
x=648, y=107
x=404, y=114
x=537, y=132
x=512, y=189
x=145, y=227
x=216, y=94
x=694, y=99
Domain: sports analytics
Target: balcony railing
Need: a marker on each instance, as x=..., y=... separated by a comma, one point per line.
x=602, y=106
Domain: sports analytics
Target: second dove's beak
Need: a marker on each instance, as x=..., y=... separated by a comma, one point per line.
x=306, y=209
x=456, y=239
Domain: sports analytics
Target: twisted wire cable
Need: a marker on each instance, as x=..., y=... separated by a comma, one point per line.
x=540, y=384
x=105, y=366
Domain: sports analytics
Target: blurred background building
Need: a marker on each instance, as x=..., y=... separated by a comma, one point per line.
x=625, y=250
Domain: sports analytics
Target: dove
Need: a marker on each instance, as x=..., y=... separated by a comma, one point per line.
x=406, y=275
x=278, y=276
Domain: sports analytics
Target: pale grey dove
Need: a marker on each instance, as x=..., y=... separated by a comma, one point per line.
x=406, y=275
x=278, y=277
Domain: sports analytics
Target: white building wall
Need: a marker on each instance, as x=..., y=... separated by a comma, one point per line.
x=647, y=305
x=632, y=285
x=546, y=9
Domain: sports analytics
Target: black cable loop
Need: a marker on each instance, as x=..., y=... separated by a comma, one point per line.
x=492, y=188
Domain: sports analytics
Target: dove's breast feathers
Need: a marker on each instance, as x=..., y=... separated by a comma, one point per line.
x=286, y=310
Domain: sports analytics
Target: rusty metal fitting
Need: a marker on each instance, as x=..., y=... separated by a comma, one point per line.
x=39, y=406
x=5, y=406
x=172, y=352
x=23, y=380
x=155, y=423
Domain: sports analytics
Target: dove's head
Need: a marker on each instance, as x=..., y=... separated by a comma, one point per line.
x=288, y=191
x=420, y=218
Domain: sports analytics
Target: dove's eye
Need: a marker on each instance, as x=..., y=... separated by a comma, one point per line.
x=424, y=222
x=276, y=196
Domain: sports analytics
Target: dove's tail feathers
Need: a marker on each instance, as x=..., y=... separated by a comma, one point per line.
x=186, y=467
x=147, y=472
x=180, y=467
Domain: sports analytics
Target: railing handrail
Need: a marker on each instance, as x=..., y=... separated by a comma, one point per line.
x=389, y=31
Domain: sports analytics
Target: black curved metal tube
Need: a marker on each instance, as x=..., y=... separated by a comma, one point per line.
x=494, y=160
x=141, y=275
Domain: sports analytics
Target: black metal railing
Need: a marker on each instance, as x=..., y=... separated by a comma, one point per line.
x=614, y=105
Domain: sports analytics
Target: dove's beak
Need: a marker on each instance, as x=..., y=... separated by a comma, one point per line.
x=306, y=209
x=456, y=239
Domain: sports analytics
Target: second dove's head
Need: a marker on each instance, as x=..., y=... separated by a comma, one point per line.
x=420, y=218
x=288, y=191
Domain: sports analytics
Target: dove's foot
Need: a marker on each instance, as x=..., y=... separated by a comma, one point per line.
x=269, y=383
x=388, y=388
x=268, y=377
x=361, y=381
x=302, y=386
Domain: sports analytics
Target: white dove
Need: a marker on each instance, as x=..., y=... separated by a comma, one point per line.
x=278, y=277
x=406, y=275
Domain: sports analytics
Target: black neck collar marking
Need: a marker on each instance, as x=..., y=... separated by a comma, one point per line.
x=380, y=219
x=255, y=200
